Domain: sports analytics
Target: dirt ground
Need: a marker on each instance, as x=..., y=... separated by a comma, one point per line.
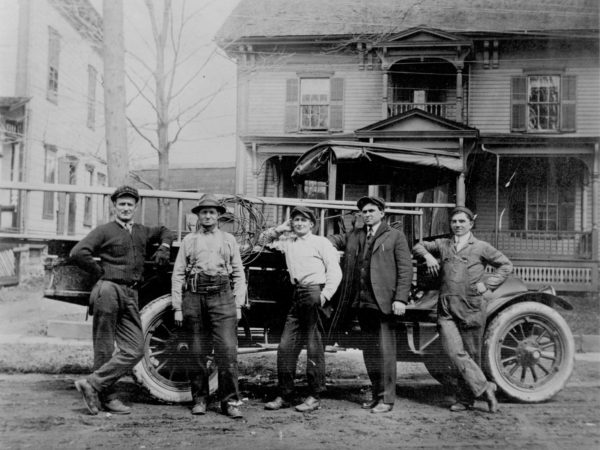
x=46, y=412
x=43, y=411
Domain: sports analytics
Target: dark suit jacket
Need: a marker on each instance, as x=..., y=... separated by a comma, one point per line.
x=391, y=265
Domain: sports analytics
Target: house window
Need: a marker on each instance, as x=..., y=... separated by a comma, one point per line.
x=50, y=165
x=87, y=203
x=91, y=100
x=314, y=104
x=550, y=208
x=543, y=103
x=101, y=201
x=545, y=199
x=53, y=61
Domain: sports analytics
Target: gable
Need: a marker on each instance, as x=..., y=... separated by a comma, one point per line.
x=417, y=121
x=424, y=35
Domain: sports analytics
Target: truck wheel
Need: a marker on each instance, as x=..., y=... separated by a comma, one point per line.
x=529, y=352
x=163, y=370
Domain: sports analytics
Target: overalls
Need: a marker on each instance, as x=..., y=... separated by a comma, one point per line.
x=461, y=316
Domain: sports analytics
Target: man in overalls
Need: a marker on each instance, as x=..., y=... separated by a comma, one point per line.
x=461, y=306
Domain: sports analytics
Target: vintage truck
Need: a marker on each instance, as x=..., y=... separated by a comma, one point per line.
x=528, y=348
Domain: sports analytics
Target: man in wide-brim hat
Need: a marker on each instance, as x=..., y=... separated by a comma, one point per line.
x=207, y=264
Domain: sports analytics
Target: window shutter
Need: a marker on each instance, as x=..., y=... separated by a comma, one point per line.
x=518, y=104
x=336, y=108
x=567, y=103
x=291, y=105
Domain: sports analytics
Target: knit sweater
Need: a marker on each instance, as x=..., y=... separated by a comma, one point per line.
x=122, y=254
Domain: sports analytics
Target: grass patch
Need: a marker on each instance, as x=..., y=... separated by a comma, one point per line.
x=585, y=316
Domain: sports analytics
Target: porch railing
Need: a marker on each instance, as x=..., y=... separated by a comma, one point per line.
x=445, y=110
x=542, y=244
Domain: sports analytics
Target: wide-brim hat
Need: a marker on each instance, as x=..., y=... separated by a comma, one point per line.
x=208, y=201
x=125, y=191
x=305, y=212
x=377, y=201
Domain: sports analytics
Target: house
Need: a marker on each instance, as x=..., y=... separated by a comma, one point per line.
x=500, y=101
x=51, y=114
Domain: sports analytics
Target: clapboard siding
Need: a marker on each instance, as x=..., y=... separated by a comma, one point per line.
x=62, y=124
x=489, y=89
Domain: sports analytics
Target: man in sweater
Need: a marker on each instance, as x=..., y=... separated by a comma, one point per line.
x=121, y=247
x=314, y=270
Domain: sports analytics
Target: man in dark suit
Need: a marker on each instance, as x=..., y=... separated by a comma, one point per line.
x=377, y=277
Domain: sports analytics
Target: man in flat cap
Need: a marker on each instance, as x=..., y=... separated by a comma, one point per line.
x=315, y=272
x=461, y=306
x=377, y=278
x=207, y=265
x=121, y=246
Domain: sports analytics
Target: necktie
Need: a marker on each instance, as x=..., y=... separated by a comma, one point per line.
x=368, y=241
x=129, y=227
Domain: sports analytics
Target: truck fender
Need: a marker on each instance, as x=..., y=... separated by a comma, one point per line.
x=496, y=305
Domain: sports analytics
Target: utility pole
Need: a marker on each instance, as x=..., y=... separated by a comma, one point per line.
x=114, y=93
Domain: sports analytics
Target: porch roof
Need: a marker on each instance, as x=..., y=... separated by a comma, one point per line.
x=390, y=155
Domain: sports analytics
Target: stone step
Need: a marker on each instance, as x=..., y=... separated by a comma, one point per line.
x=69, y=329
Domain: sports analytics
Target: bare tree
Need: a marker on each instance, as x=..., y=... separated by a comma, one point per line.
x=164, y=86
x=114, y=92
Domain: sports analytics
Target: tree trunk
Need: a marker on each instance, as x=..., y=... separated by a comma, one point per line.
x=114, y=93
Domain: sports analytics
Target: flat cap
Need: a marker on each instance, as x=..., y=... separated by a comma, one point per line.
x=462, y=209
x=303, y=211
x=125, y=191
x=208, y=201
x=377, y=201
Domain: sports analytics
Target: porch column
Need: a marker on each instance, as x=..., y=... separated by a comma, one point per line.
x=459, y=94
x=384, y=102
x=595, y=201
x=460, y=190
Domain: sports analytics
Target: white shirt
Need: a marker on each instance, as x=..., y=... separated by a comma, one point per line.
x=461, y=241
x=312, y=259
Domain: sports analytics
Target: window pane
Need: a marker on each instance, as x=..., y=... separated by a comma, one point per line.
x=543, y=99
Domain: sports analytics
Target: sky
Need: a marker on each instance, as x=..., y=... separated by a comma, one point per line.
x=209, y=138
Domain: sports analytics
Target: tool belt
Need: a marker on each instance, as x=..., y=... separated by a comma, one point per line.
x=200, y=283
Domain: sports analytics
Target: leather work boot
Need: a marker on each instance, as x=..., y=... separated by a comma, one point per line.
x=276, y=404
x=310, y=404
x=490, y=397
x=372, y=404
x=116, y=406
x=232, y=409
x=199, y=408
x=89, y=394
x=459, y=407
x=382, y=407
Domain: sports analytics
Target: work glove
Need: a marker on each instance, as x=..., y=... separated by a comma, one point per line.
x=162, y=256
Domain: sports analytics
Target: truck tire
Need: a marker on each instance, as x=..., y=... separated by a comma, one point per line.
x=529, y=352
x=162, y=371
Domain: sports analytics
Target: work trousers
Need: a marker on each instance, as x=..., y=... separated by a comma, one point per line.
x=303, y=325
x=116, y=320
x=210, y=321
x=463, y=347
x=378, y=344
